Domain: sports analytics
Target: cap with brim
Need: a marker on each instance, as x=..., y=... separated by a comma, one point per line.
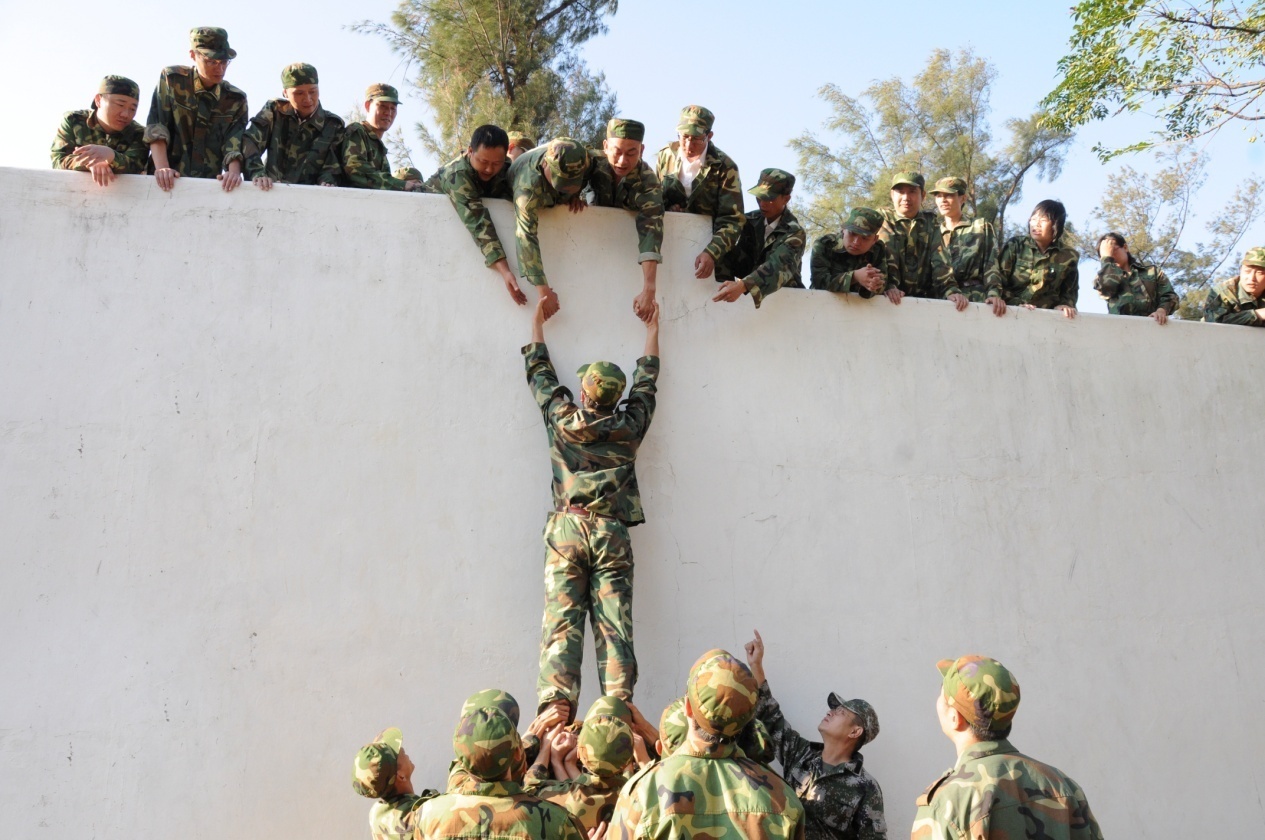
x=722, y=693
x=377, y=763
x=864, y=222
x=773, y=183
x=864, y=711
x=602, y=382
x=695, y=120
x=622, y=129
x=120, y=85
x=1255, y=257
x=605, y=745
x=382, y=93
x=949, y=186
x=492, y=698
x=673, y=727
x=299, y=73
x=911, y=178
x=981, y=689
x=212, y=42
x=610, y=705
x=487, y=744
x=567, y=162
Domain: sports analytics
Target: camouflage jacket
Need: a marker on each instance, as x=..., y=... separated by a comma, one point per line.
x=1228, y=304
x=466, y=190
x=717, y=192
x=707, y=791
x=841, y=802
x=395, y=817
x=638, y=191
x=365, y=163
x=203, y=126
x=299, y=151
x=1043, y=280
x=919, y=260
x=972, y=251
x=588, y=798
x=80, y=128
x=772, y=262
x=831, y=265
x=532, y=193
x=995, y=792
x=498, y=810
x=1139, y=291
x=594, y=454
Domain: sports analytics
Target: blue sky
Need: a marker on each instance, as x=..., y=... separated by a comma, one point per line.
x=758, y=66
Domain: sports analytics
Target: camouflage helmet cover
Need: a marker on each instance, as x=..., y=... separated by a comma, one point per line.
x=722, y=693
x=377, y=763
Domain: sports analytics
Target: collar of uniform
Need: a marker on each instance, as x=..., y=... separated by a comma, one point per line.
x=965, y=221
x=502, y=788
x=984, y=749
x=198, y=87
x=699, y=748
x=850, y=767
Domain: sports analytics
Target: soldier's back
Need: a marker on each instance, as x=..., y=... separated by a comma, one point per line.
x=506, y=815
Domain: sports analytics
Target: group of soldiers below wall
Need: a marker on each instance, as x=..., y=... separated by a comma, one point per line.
x=197, y=127
x=707, y=769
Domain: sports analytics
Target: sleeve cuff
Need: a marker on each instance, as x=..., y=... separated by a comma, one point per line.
x=156, y=132
x=649, y=256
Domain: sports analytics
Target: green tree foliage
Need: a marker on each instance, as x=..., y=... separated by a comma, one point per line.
x=1154, y=214
x=1196, y=66
x=937, y=125
x=514, y=63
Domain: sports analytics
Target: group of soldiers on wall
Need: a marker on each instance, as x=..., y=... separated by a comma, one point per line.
x=198, y=127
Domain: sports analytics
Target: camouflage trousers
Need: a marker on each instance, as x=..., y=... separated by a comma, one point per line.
x=588, y=571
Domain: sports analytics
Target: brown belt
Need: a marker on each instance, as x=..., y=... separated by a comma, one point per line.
x=582, y=511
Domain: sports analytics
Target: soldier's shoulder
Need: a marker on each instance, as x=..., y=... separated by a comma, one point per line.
x=789, y=219
x=179, y=70
x=330, y=116
x=754, y=216
x=669, y=149
x=355, y=128
x=73, y=117
x=717, y=153
x=826, y=240
x=232, y=90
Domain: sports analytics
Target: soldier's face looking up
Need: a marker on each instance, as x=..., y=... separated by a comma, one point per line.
x=304, y=98
x=622, y=154
x=1252, y=280
x=856, y=244
x=114, y=110
x=380, y=115
x=487, y=161
x=404, y=765
x=1041, y=229
x=211, y=70
x=950, y=205
x=907, y=199
x=771, y=208
x=693, y=145
x=839, y=723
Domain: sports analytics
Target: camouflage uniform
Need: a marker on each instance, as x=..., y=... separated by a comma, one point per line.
x=365, y=163
x=995, y=792
x=971, y=248
x=300, y=151
x=203, y=127
x=81, y=128
x=716, y=192
x=1042, y=280
x=466, y=190
x=1228, y=304
x=920, y=264
x=568, y=164
x=1139, y=291
x=768, y=259
x=394, y=815
x=707, y=788
x=459, y=779
x=588, y=554
x=638, y=191
x=604, y=748
x=757, y=744
x=491, y=804
x=832, y=266
x=840, y=801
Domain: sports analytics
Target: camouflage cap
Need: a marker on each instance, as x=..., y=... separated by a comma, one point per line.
x=298, y=73
x=626, y=129
x=603, y=382
x=695, y=120
x=212, y=42
x=950, y=186
x=981, y=689
x=722, y=693
x=567, y=162
x=864, y=712
x=492, y=698
x=382, y=92
x=610, y=705
x=487, y=744
x=912, y=178
x=605, y=745
x=864, y=221
x=1255, y=257
x=673, y=727
x=120, y=85
x=519, y=140
x=755, y=741
x=408, y=173
x=773, y=183
x=376, y=764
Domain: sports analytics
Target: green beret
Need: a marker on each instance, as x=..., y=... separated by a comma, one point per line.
x=299, y=73
x=377, y=763
x=212, y=42
x=382, y=93
x=626, y=129
x=120, y=85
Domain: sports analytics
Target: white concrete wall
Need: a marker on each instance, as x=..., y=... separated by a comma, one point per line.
x=272, y=480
